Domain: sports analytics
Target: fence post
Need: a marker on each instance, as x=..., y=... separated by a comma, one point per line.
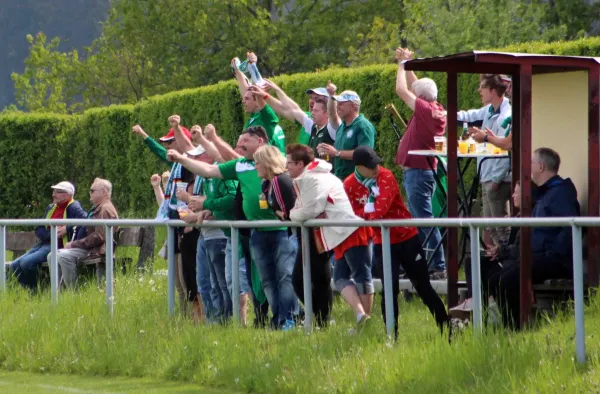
x=390, y=323
x=307, y=280
x=171, y=269
x=578, y=290
x=109, y=262
x=2, y=258
x=54, y=264
x=476, y=280
x=235, y=273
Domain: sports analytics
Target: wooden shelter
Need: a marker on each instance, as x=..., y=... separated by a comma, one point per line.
x=555, y=104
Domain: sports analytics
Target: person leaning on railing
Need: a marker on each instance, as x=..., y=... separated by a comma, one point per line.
x=321, y=195
x=375, y=195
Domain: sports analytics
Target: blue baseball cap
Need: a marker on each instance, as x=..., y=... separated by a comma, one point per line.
x=348, y=95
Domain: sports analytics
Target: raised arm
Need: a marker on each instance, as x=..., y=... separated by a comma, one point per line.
x=154, y=146
x=158, y=192
x=402, y=87
x=239, y=76
x=208, y=146
x=182, y=140
x=334, y=119
x=283, y=105
x=197, y=167
x=223, y=148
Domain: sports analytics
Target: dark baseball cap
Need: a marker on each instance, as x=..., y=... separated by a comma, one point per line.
x=365, y=156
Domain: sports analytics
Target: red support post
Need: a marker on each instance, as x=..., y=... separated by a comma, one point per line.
x=525, y=82
x=452, y=250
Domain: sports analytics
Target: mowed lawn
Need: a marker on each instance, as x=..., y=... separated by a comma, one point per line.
x=32, y=383
x=77, y=337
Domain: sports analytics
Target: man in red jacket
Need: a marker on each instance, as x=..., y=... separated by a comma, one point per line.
x=374, y=194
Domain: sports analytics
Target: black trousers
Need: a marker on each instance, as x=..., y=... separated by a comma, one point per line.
x=410, y=255
x=187, y=246
x=261, y=311
x=320, y=274
x=505, y=286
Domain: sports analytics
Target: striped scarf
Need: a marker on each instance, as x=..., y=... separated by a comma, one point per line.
x=173, y=179
x=198, y=184
x=371, y=184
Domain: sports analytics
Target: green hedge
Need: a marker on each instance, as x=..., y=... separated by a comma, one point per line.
x=38, y=150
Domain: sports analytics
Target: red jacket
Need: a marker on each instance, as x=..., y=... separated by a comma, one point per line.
x=389, y=205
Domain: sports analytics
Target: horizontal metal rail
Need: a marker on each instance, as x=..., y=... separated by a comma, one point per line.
x=472, y=223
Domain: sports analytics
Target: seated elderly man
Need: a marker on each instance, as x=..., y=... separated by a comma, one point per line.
x=93, y=243
x=63, y=206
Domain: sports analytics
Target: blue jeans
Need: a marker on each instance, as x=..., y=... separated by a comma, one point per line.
x=275, y=254
x=420, y=186
x=354, y=269
x=210, y=299
x=215, y=255
x=244, y=286
x=26, y=267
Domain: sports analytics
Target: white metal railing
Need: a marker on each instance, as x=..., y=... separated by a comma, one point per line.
x=576, y=223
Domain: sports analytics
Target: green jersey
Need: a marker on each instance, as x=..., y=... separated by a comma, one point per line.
x=269, y=120
x=304, y=135
x=349, y=137
x=220, y=199
x=251, y=184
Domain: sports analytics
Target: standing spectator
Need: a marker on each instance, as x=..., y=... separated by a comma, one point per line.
x=314, y=95
x=298, y=158
x=495, y=174
x=185, y=271
x=271, y=247
x=418, y=179
x=353, y=130
x=261, y=114
x=320, y=194
x=374, y=194
x=26, y=267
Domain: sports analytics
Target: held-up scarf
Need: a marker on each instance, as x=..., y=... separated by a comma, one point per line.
x=173, y=179
x=198, y=183
x=371, y=184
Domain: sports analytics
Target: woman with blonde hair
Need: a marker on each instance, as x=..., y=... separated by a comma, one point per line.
x=278, y=195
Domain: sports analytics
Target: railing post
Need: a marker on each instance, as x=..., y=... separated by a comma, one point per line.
x=307, y=280
x=171, y=269
x=390, y=322
x=54, y=279
x=2, y=258
x=109, y=262
x=476, y=280
x=235, y=273
x=578, y=290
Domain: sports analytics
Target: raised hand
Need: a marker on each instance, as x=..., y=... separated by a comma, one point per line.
x=137, y=129
x=174, y=156
x=252, y=58
x=174, y=120
x=155, y=180
x=403, y=54
x=210, y=132
x=331, y=88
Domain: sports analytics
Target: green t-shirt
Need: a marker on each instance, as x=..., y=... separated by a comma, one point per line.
x=304, y=137
x=359, y=132
x=244, y=171
x=269, y=120
x=220, y=199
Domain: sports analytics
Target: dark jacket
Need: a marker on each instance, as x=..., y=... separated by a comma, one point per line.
x=555, y=198
x=74, y=211
x=95, y=238
x=280, y=194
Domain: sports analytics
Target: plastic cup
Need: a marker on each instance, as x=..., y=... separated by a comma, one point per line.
x=440, y=143
x=463, y=147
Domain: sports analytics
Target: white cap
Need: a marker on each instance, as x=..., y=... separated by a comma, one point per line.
x=65, y=187
x=197, y=151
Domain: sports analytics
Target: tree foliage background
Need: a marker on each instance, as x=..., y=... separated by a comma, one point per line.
x=150, y=47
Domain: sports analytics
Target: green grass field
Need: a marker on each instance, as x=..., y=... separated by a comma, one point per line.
x=77, y=337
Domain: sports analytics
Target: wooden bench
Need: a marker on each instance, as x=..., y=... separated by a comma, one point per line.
x=143, y=237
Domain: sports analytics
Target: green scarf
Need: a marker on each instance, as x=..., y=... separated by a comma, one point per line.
x=371, y=184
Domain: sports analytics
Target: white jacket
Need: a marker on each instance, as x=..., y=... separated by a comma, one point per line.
x=320, y=194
